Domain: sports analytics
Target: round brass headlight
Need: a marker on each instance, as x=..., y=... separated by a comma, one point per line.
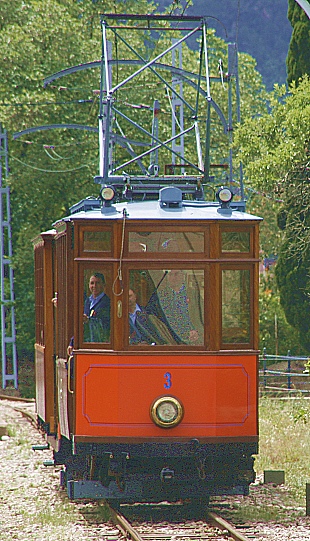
x=224, y=195
x=107, y=193
x=167, y=411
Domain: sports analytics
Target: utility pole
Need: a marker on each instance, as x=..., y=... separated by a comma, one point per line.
x=8, y=332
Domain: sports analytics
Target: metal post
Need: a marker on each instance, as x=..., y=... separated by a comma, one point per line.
x=177, y=105
x=207, y=145
x=276, y=334
x=154, y=167
x=307, y=499
x=264, y=366
x=105, y=110
x=289, y=369
x=232, y=68
x=8, y=332
x=238, y=116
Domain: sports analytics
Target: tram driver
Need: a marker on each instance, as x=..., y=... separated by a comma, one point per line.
x=96, y=315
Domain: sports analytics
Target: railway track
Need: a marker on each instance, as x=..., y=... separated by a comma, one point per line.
x=27, y=488
x=213, y=528
x=155, y=523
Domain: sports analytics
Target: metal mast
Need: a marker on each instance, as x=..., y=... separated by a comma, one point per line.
x=177, y=106
x=8, y=332
x=138, y=157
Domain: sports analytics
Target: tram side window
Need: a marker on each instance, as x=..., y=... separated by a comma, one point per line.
x=96, y=241
x=236, y=241
x=97, y=305
x=236, y=306
x=166, y=307
x=166, y=242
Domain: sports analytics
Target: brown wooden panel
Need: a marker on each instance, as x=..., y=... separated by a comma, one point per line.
x=40, y=382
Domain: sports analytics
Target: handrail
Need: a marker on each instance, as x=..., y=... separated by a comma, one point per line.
x=266, y=373
x=69, y=374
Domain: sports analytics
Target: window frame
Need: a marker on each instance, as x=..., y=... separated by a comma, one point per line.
x=93, y=266
x=98, y=228
x=238, y=267
x=140, y=266
x=167, y=228
x=233, y=228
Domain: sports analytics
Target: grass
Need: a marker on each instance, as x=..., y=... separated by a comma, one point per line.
x=284, y=444
x=285, y=441
x=56, y=515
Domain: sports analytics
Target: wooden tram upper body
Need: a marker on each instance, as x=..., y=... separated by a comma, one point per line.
x=96, y=405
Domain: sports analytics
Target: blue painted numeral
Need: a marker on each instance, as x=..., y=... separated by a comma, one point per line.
x=168, y=382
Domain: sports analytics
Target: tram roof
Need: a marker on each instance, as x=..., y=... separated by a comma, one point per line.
x=152, y=210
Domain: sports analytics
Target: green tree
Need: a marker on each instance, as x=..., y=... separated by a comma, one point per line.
x=275, y=150
x=276, y=334
x=298, y=58
x=293, y=268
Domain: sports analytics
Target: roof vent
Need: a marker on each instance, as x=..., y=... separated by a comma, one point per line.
x=170, y=197
x=90, y=203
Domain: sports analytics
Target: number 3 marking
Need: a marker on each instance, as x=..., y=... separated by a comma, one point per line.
x=168, y=382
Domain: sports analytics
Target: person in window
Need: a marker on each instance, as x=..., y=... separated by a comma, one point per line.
x=145, y=328
x=97, y=311
x=170, y=302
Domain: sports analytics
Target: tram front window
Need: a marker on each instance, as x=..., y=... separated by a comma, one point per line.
x=171, y=303
x=96, y=314
x=166, y=242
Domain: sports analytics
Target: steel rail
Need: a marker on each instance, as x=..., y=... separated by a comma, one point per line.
x=32, y=417
x=221, y=523
x=212, y=518
x=125, y=526
x=16, y=398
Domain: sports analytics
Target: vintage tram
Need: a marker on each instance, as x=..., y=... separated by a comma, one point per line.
x=147, y=335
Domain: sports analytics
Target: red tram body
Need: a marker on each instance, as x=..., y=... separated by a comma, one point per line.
x=155, y=291
x=98, y=414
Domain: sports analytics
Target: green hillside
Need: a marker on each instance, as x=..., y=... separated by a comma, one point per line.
x=261, y=28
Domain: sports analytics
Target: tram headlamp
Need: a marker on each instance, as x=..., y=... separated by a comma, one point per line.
x=107, y=193
x=167, y=411
x=224, y=196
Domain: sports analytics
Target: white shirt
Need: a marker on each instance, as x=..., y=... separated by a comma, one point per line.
x=133, y=315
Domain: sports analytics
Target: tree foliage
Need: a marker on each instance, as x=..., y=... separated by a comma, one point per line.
x=293, y=268
x=275, y=149
x=271, y=144
x=276, y=334
x=298, y=58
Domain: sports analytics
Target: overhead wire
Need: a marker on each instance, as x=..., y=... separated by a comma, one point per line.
x=56, y=156
x=47, y=145
x=51, y=170
x=40, y=104
x=185, y=7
